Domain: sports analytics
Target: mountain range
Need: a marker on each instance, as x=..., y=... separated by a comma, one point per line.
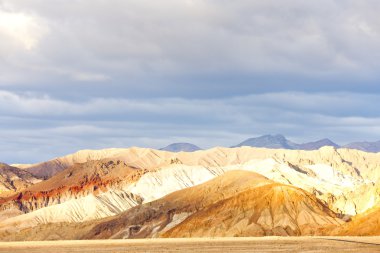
x=279, y=141
x=364, y=146
x=144, y=193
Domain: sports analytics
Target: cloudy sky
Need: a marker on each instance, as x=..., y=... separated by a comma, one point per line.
x=118, y=73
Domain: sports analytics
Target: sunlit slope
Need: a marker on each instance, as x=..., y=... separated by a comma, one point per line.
x=366, y=224
x=238, y=203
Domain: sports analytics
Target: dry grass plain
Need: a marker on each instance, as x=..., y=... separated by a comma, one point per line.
x=195, y=245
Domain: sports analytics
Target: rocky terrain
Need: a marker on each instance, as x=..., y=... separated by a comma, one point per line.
x=137, y=193
x=238, y=203
x=13, y=179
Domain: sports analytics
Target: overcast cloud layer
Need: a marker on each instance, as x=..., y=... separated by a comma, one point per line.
x=118, y=73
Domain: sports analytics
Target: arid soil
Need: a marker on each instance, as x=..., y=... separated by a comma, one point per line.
x=258, y=244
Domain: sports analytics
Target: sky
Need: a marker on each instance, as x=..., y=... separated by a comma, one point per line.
x=118, y=73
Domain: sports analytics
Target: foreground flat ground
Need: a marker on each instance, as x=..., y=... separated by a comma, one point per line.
x=257, y=244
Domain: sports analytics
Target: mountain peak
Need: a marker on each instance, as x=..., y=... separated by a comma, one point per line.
x=181, y=147
x=268, y=141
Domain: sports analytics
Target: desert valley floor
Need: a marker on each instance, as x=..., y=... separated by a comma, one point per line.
x=195, y=245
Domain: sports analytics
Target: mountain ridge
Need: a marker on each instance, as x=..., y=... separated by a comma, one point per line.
x=47, y=169
x=281, y=142
x=364, y=146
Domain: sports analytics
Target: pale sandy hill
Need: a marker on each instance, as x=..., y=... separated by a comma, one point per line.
x=238, y=203
x=49, y=168
x=352, y=162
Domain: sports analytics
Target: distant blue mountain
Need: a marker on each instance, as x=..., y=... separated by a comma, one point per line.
x=178, y=147
x=317, y=144
x=268, y=141
x=364, y=146
x=280, y=142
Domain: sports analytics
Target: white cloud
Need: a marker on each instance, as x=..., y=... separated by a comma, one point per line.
x=23, y=29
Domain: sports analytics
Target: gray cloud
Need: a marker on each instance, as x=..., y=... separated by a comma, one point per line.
x=42, y=127
x=90, y=74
